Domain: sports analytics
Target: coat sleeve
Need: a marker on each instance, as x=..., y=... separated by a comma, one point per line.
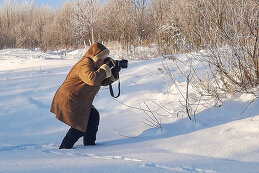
x=114, y=77
x=89, y=75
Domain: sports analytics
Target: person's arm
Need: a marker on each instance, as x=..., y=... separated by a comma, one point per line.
x=91, y=77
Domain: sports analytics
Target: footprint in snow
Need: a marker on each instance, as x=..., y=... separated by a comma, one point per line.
x=184, y=169
x=38, y=103
x=19, y=147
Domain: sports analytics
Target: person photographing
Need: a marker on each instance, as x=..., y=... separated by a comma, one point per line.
x=73, y=101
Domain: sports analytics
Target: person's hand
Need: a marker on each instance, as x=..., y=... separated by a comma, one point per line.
x=109, y=61
x=116, y=69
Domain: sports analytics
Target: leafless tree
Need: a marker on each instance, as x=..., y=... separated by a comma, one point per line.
x=85, y=20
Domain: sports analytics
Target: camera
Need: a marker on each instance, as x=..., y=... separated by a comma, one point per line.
x=121, y=63
x=116, y=65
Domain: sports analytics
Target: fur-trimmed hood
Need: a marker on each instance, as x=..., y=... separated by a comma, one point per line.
x=96, y=51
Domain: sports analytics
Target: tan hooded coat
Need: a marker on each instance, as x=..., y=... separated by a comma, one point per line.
x=72, y=102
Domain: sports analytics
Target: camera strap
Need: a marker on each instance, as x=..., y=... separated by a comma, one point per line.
x=111, y=90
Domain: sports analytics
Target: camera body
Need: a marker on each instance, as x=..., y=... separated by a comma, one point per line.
x=121, y=63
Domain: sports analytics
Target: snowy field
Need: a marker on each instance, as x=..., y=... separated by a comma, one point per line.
x=221, y=140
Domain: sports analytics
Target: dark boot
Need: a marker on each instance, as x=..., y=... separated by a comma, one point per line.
x=71, y=138
x=92, y=128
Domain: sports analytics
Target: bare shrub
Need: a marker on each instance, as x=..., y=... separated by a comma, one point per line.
x=229, y=30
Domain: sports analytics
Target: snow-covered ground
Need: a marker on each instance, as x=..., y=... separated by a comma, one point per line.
x=221, y=140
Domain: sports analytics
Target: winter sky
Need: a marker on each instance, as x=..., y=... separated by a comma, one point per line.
x=51, y=3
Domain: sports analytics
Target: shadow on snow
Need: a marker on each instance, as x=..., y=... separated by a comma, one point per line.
x=211, y=117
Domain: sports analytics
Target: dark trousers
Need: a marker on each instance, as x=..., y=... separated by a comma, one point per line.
x=89, y=136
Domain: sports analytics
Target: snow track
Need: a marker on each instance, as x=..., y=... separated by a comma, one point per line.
x=83, y=154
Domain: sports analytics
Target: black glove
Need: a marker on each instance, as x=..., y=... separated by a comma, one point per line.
x=108, y=61
x=116, y=69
